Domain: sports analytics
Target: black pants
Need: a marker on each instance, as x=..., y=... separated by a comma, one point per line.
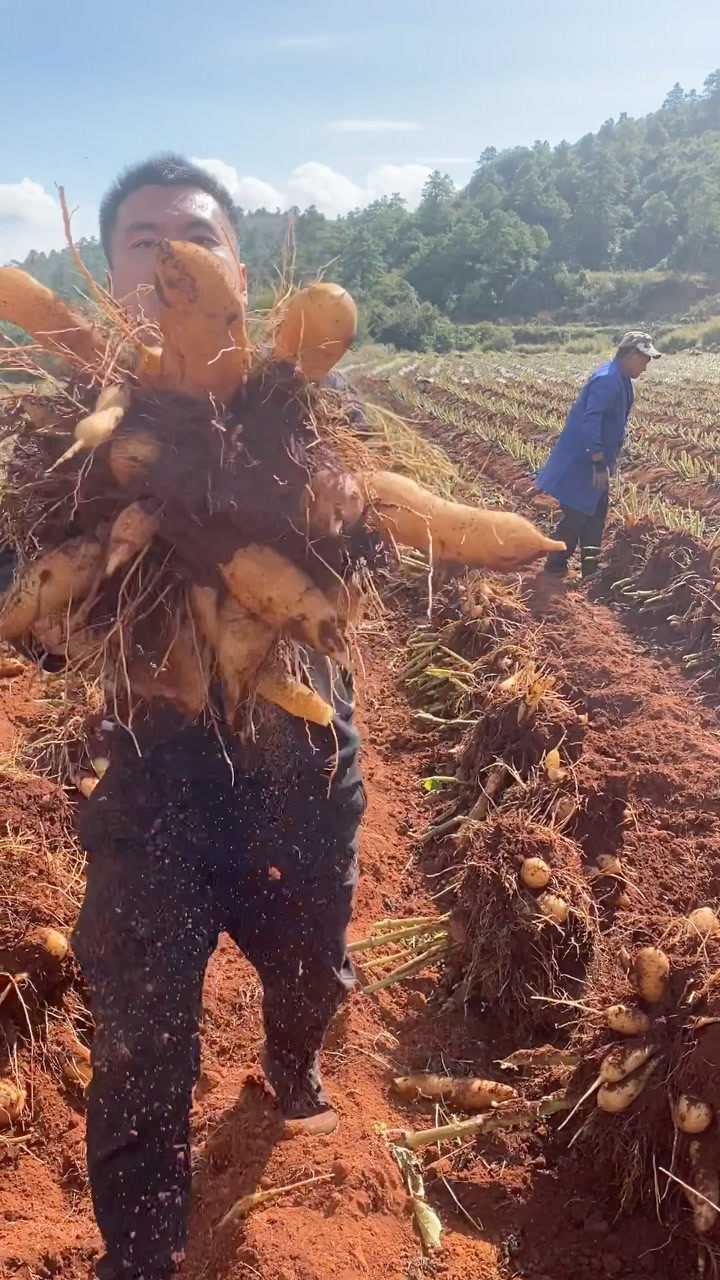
x=578, y=527
x=176, y=854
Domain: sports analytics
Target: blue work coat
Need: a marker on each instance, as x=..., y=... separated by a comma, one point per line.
x=596, y=424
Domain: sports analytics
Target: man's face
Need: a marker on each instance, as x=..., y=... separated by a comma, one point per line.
x=635, y=363
x=157, y=213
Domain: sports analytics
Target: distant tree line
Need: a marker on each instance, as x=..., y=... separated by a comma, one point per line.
x=527, y=236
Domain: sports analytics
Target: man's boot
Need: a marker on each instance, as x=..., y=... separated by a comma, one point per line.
x=589, y=561
x=300, y=1094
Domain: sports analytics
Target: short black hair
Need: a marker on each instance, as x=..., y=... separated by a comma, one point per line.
x=166, y=170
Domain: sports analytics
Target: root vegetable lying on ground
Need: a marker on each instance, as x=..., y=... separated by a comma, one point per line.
x=452, y=532
x=50, y=942
x=12, y=1103
x=77, y=1067
x=623, y=1060
x=705, y=1180
x=49, y=585
x=245, y=1205
x=627, y=1020
x=553, y=908
x=469, y=1094
x=704, y=922
x=651, y=974
x=609, y=864
x=617, y=1095
x=692, y=1115
x=621, y=1078
x=535, y=873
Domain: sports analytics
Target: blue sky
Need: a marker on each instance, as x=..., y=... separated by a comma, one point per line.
x=311, y=101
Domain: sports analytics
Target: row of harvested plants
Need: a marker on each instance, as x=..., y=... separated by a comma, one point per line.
x=668, y=585
x=557, y=938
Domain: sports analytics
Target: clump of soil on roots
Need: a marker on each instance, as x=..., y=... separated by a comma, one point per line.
x=515, y=959
x=517, y=796
x=628, y=1148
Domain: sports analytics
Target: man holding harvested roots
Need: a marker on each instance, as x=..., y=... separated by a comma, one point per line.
x=195, y=836
x=585, y=454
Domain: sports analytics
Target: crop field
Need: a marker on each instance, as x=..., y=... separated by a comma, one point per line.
x=496, y=423
x=528, y=1074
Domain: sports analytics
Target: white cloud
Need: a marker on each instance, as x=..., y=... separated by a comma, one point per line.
x=407, y=180
x=333, y=193
x=374, y=126
x=330, y=191
x=249, y=193
x=30, y=218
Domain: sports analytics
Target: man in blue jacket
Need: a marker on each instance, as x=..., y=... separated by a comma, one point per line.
x=585, y=454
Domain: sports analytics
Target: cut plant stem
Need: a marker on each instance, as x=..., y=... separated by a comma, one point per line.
x=405, y=970
x=412, y=931
x=246, y=1204
x=486, y=1123
x=405, y=922
x=442, y=829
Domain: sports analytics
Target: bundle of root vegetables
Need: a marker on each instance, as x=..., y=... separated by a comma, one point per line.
x=555, y=941
x=196, y=513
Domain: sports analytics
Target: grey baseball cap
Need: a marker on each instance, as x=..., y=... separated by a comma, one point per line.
x=636, y=340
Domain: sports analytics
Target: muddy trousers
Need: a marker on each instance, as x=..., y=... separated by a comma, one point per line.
x=150, y=920
x=576, y=528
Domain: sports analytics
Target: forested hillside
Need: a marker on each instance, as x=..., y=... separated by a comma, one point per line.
x=623, y=224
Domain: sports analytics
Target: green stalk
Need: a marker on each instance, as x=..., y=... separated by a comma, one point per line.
x=406, y=922
x=487, y=1123
x=414, y=930
x=406, y=970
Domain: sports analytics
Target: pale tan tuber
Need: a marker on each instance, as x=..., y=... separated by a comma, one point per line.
x=692, y=1115
x=651, y=974
x=535, y=873
x=627, y=1020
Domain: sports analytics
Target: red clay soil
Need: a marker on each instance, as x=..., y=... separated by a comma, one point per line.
x=359, y=1226
x=512, y=1207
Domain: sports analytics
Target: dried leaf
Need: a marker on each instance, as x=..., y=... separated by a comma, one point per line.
x=428, y=1224
x=553, y=766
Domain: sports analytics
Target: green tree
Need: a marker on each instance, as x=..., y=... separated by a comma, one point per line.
x=653, y=234
x=435, y=211
x=361, y=262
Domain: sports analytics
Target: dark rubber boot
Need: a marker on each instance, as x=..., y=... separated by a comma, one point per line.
x=300, y=1094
